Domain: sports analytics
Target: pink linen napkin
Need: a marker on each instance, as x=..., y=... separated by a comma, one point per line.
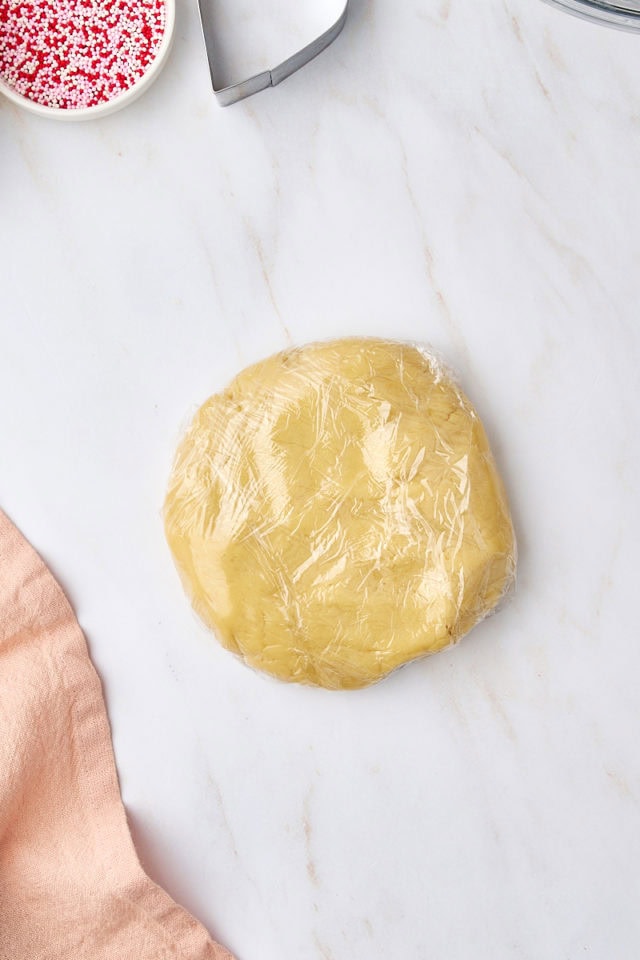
x=71, y=885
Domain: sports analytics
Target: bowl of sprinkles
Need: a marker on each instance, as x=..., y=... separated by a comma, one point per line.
x=76, y=59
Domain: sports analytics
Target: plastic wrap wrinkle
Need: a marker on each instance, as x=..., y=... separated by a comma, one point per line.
x=336, y=512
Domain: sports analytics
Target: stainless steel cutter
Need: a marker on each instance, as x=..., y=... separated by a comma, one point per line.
x=268, y=78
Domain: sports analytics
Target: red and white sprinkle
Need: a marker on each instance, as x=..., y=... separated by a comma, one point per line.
x=69, y=54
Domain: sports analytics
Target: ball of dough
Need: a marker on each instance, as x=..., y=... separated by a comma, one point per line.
x=336, y=512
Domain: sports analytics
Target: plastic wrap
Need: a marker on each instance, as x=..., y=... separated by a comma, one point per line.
x=336, y=512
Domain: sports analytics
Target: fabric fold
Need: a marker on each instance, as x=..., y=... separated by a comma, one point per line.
x=71, y=884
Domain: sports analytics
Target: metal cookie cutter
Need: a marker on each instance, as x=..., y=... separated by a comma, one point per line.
x=268, y=78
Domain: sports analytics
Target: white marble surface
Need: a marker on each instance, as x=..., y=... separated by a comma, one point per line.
x=464, y=173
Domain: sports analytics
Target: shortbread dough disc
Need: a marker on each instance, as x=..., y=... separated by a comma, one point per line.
x=336, y=512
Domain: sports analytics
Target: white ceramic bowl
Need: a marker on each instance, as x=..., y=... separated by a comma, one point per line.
x=110, y=106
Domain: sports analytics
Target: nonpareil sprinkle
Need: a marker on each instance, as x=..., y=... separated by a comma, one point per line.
x=69, y=54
